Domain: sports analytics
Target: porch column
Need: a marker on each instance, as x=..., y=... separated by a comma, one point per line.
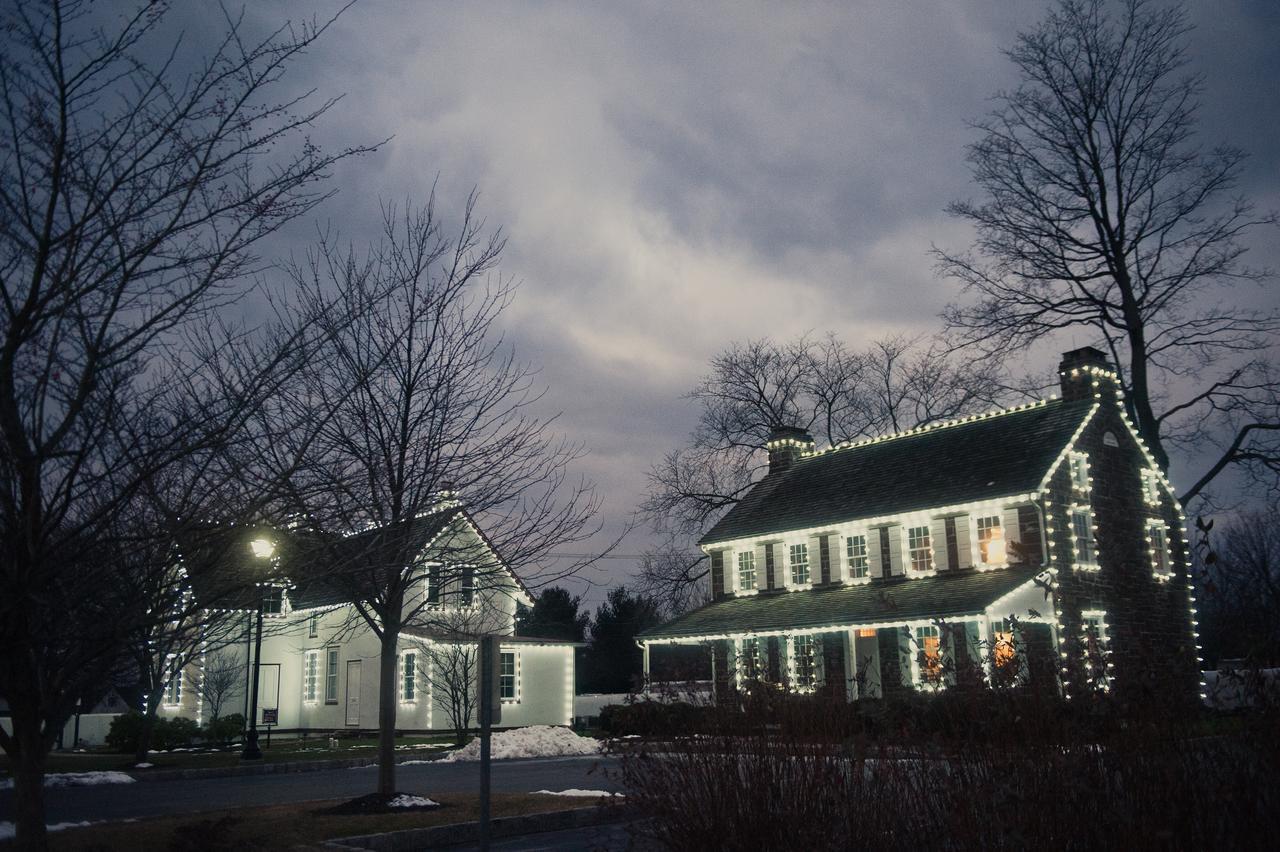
x=644, y=683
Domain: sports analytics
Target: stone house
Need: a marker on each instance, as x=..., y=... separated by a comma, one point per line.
x=1038, y=545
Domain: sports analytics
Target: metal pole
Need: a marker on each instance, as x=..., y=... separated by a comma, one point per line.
x=248, y=661
x=251, y=750
x=486, y=725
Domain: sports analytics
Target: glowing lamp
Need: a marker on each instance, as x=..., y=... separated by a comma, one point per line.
x=263, y=548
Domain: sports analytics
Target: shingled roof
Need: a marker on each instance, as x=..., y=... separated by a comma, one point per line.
x=949, y=594
x=986, y=458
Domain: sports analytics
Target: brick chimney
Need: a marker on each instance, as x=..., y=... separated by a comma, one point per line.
x=1083, y=372
x=785, y=445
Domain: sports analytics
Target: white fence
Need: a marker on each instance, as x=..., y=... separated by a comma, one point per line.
x=93, y=729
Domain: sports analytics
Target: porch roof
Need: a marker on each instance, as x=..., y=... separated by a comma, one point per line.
x=946, y=595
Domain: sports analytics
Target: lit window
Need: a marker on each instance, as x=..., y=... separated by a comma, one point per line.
x=867, y=633
x=799, y=564
x=467, y=587
x=919, y=549
x=313, y=627
x=930, y=656
x=1004, y=650
x=1151, y=487
x=1094, y=639
x=310, y=676
x=855, y=547
x=1082, y=536
x=746, y=570
x=804, y=650
x=1158, y=542
x=507, y=687
x=173, y=689
x=409, y=677
x=331, y=676
x=991, y=545
x=1079, y=471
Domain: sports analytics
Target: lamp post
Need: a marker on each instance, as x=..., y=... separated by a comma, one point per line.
x=262, y=549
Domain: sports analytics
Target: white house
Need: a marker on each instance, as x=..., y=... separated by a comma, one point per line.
x=320, y=660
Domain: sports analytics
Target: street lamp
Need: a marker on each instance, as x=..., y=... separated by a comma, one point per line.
x=262, y=548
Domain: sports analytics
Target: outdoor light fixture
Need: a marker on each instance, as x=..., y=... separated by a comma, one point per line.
x=262, y=548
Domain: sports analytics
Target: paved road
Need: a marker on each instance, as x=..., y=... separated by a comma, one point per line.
x=156, y=798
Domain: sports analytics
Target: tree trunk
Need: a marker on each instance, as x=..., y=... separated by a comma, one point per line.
x=148, y=728
x=387, y=713
x=28, y=781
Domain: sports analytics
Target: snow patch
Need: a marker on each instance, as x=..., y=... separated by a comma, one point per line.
x=143, y=765
x=534, y=741
x=77, y=779
x=406, y=801
x=574, y=791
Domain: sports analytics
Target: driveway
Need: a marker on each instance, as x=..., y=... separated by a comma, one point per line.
x=158, y=798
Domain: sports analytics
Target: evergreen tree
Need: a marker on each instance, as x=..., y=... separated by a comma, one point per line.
x=554, y=615
x=613, y=661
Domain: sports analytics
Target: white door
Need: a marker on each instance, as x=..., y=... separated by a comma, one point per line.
x=353, y=692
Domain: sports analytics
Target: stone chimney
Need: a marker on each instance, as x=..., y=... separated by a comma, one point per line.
x=785, y=445
x=1083, y=372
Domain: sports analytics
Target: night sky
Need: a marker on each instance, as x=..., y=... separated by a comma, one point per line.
x=675, y=177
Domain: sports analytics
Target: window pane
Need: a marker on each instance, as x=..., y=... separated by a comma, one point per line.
x=799, y=564
x=747, y=569
x=856, y=552
x=1082, y=536
x=918, y=546
x=991, y=545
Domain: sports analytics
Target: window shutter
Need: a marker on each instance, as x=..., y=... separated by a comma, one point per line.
x=876, y=563
x=771, y=575
x=717, y=573
x=938, y=541
x=1029, y=534
x=1009, y=524
x=894, y=534
x=824, y=558
x=964, y=542
x=774, y=659
x=906, y=651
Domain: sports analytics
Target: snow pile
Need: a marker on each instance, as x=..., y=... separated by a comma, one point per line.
x=534, y=741
x=404, y=800
x=8, y=830
x=143, y=765
x=77, y=779
x=575, y=792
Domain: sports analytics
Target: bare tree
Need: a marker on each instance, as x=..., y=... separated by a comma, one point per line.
x=817, y=384
x=452, y=668
x=428, y=403
x=1240, y=590
x=131, y=199
x=1103, y=214
x=222, y=677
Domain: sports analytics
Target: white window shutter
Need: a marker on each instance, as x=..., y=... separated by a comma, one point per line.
x=874, y=561
x=895, y=550
x=762, y=575
x=964, y=547
x=938, y=540
x=1009, y=523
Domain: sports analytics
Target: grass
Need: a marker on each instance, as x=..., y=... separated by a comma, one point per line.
x=281, y=751
x=285, y=826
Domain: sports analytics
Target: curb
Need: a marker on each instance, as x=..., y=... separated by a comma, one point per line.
x=469, y=832
x=253, y=769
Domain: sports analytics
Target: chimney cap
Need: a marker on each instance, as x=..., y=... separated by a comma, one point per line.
x=781, y=434
x=1085, y=356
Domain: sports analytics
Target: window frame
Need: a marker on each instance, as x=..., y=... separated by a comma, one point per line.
x=1150, y=486
x=409, y=677
x=857, y=573
x=1091, y=551
x=514, y=675
x=310, y=676
x=794, y=564
x=331, y=660
x=1160, y=552
x=313, y=627
x=749, y=557
x=1080, y=479
x=173, y=687
x=919, y=665
x=804, y=666
x=926, y=548
x=983, y=543
x=1100, y=640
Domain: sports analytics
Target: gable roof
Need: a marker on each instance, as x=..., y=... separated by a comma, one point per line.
x=950, y=594
x=987, y=457
x=223, y=571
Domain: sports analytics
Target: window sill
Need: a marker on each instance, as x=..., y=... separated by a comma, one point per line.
x=1086, y=566
x=331, y=702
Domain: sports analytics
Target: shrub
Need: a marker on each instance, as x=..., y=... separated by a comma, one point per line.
x=651, y=718
x=126, y=730
x=221, y=731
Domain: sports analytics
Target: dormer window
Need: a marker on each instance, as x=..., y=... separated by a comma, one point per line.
x=919, y=548
x=799, y=564
x=855, y=547
x=746, y=570
x=1079, y=463
x=991, y=543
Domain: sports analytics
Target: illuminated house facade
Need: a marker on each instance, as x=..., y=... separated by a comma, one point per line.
x=320, y=661
x=1039, y=545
